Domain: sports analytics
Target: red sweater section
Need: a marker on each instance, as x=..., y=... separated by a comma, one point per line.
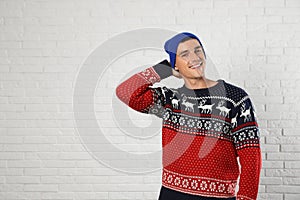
x=135, y=91
x=200, y=148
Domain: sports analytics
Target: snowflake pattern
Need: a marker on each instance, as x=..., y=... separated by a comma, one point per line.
x=174, y=119
x=166, y=115
x=246, y=137
x=191, y=184
x=199, y=124
x=207, y=125
x=182, y=121
x=218, y=126
x=191, y=123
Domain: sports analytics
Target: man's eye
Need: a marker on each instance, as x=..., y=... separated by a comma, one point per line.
x=183, y=55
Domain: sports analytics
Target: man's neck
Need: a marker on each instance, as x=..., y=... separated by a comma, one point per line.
x=199, y=83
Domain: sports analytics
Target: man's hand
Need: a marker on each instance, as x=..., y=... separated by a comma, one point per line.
x=174, y=72
x=164, y=69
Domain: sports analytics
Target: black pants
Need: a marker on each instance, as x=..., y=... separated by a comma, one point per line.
x=168, y=194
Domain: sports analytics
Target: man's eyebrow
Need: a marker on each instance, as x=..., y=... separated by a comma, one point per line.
x=197, y=47
x=183, y=52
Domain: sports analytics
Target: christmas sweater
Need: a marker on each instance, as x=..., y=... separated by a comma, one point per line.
x=204, y=131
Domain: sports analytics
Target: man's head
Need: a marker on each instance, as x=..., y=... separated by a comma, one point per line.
x=171, y=45
x=186, y=53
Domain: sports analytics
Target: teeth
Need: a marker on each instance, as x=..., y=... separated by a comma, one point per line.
x=195, y=66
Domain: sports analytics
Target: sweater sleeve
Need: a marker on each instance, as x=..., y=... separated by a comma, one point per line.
x=137, y=91
x=246, y=137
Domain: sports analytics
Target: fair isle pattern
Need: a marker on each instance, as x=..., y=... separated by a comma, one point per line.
x=224, y=112
x=204, y=126
x=213, y=97
x=203, y=122
x=194, y=184
x=242, y=100
x=246, y=137
x=149, y=75
x=241, y=197
x=157, y=108
x=245, y=131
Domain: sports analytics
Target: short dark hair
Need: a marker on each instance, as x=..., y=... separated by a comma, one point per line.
x=188, y=38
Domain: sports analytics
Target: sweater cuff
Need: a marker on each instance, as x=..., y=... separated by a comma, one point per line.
x=242, y=197
x=163, y=69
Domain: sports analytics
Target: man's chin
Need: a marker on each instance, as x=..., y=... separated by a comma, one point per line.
x=193, y=77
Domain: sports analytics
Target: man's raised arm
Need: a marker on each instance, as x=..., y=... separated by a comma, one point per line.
x=137, y=93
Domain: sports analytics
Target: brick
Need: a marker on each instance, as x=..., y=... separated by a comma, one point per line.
x=25, y=195
x=291, y=131
x=57, y=179
x=292, y=3
x=265, y=51
x=10, y=44
x=126, y=195
x=283, y=156
x=282, y=172
x=23, y=163
x=10, y=155
x=11, y=172
x=281, y=11
x=271, y=181
x=273, y=164
x=231, y=3
x=292, y=164
x=270, y=148
x=38, y=44
x=263, y=19
x=283, y=189
x=290, y=148
x=75, y=188
x=56, y=195
x=22, y=179
x=249, y=11
x=41, y=187
x=281, y=123
x=291, y=19
x=26, y=68
x=266, y=196
x=40, y=171
x=291, y=196
x=291, y=181
x=274, y=132
x=267, y=3
x=283, y=140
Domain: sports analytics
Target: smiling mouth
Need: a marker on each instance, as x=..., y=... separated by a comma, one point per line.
x=196, y=66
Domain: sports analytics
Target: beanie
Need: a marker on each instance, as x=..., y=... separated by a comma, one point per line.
x=172, y=44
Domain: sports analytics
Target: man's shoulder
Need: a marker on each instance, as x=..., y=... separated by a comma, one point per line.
x=235, y=92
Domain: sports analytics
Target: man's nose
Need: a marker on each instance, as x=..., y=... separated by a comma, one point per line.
x=194, y=58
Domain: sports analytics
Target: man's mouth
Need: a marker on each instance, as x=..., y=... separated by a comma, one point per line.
x=197, y=65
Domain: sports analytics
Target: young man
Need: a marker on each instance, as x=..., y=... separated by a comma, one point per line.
x=206, y=126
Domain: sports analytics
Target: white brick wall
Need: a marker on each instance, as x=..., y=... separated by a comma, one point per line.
x=253, y=43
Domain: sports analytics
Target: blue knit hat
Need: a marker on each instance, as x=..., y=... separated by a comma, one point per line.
x=172, y=44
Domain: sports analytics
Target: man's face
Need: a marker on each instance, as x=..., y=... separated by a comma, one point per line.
x=190, y=59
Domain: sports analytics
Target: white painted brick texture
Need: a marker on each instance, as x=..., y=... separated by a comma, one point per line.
x=253, y=43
